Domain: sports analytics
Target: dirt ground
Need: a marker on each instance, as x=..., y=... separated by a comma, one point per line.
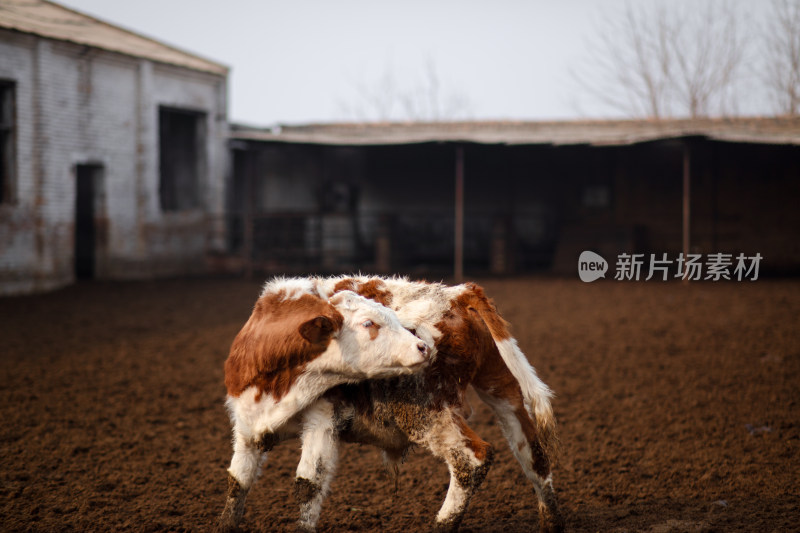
x=678, y=407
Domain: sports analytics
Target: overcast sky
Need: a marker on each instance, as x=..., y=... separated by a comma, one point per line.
x=306, y=60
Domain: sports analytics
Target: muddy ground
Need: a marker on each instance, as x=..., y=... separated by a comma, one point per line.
x=678, y=406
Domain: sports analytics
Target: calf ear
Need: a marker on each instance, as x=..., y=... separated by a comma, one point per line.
x=318, y=330
x=343, y=299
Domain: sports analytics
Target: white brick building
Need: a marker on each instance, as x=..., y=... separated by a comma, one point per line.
x=112, y=151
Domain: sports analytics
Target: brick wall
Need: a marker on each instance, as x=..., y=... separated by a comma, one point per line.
x=79, y=105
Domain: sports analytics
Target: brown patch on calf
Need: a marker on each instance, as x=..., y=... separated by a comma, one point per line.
x=281, y=337
x=375, y=290
x=484, y=305
x=348, y=284
x=478, y=446
x=462, y=347
x=374, y=329
x=495, y=376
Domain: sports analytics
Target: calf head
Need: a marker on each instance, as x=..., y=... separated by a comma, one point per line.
x=344, y=339
x=372, y=341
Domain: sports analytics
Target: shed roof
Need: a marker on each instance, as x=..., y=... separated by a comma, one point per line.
x=780, y=130
x=54, y=21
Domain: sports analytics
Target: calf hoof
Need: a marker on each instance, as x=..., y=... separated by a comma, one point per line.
x=305, y=528
x=232, y=515
x=227, y=524
x=446, y=526
x=550, y=520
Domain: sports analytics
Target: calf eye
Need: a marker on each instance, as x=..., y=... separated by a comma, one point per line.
x=368, y=324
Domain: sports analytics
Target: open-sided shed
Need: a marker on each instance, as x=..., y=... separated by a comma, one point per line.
x=505, y=197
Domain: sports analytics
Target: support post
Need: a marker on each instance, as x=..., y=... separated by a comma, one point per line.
x=687, y=201
x=249, y=208
x=458, y=270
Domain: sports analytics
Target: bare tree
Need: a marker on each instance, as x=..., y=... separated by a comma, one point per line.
x=426, y=100
x=782, y=58
x=377, y=100
x=668, y=59
x=430, y=101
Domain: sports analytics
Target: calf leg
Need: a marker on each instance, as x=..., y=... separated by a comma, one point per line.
x=468, y=458
x=248, y=456
x=520, y=432
x=320, y=453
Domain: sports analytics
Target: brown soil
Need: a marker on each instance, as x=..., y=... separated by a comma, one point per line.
x=679, y=410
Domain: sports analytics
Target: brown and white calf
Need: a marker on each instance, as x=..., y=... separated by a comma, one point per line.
x=472, y=347
x=295, y=346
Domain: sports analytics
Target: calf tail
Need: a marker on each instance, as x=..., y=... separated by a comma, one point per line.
x=535, y=392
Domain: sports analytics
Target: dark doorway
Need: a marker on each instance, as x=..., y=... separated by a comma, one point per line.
x=239, y=201
x=7, y=141
x=181, y=158
x=87, y=186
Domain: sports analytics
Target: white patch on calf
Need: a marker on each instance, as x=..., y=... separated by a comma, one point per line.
x=293, y=287
x=255, y=418
x=319, y=437
x=455, y=501
x=247, y=459
x=318, y=459
x=421, y=303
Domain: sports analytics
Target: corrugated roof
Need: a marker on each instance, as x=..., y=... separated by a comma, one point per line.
x=781, y=130
x=54, y=21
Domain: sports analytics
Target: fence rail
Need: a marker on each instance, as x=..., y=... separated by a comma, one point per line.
x=383, y=242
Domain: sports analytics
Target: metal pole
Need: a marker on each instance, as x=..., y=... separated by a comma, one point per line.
x=686, y=204
x=249, y=208
x=458, y=271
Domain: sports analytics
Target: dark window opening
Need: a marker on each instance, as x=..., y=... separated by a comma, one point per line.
x=181, y=151
x=88, y=181
x=7, y=126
